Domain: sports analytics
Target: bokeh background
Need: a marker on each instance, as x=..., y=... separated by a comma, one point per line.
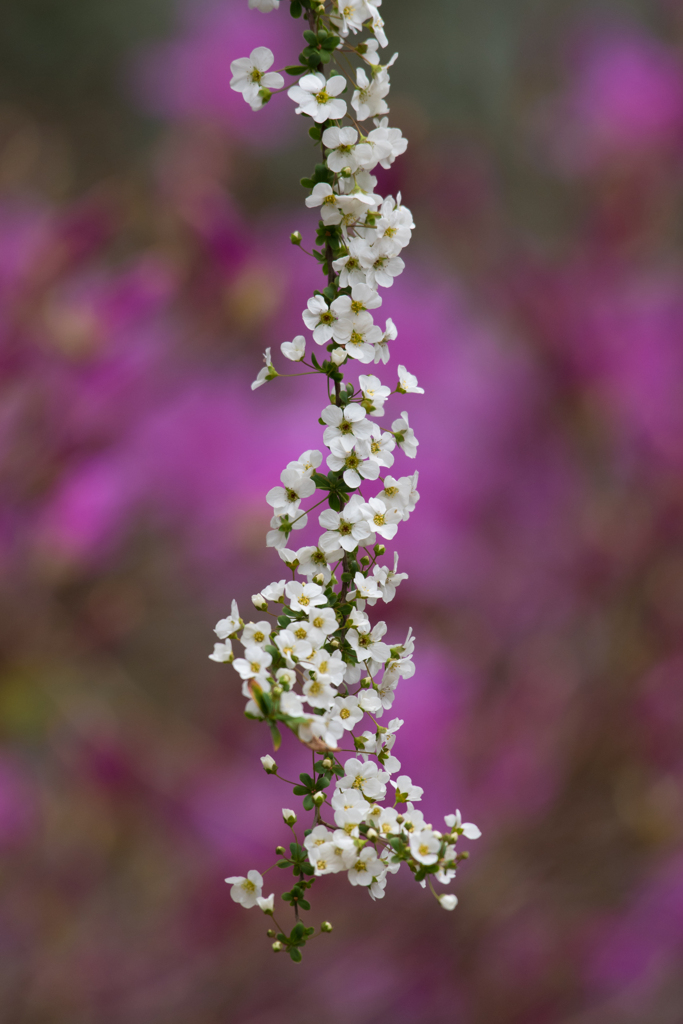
x=144, y=266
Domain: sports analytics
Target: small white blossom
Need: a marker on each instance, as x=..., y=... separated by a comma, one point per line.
x=405, y=436
x=347, y=425
x=250, y=75
x=316, y=96
x=246, y=891
x=407, y=383
x=226, y=627
x=264, y=6
x=406, y=790
x=365, y=777
x=303, y=596
x=222, y=652
x=257, y=633
x=366, y=867
x=345, y=529
x=368, y=99
x=319, y=319
x=382, y=347
x=254, y=665
x=425, y=846
x=348, y=711
x=292, y=649
x=294, y=350
x=448, y=901
x=467, y=829
x=296, y=486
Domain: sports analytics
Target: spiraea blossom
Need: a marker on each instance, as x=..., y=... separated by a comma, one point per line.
x=315, y=663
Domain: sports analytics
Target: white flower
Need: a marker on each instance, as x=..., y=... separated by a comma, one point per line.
x=319, y=836
x=376, y=22
x=291, y=704
x=381, y=447
x=348, y=712
x=269, y=764
x=387, y=142
x=365, y=777
x=281, y=525
x=355, y=466
x=345, y=529
x=343, y=150
x=264, y=6
x=468, y=830
x=254, y=664
x=358, y=334
x=405, y=436
x=226, y=627
x=323, y=622
x=316, y=97
x=366, y=587
x=425, y=846
x=313, y=560
x=369, y=700
x=350, y=15
x=307, y=462
x=368, y=99
x=327, y=667
x=319, y=693
x=320, y=319
x=366, y=867
x=323, y=196
x=448, y=901
x=222, y=652
x=292, y=649
x=368, y=644
x=406, y=790
x=294, y=350
x=380, y=264
x=250, y=75
x=303, y=596
x=266, y=903
x=382, y=520
x=350, y=269
x=382, y=347
x=321, y=730
x=361, y=299
x=407, y=383
x=296, y=486
x=396, y=493
x=274, y=591
x=388, y=580
x=257, y=633
x=394, y=225
x=374, y=392
x=348, y=425
x=246, y=891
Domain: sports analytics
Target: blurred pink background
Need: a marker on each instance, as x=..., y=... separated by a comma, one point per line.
x=144, y=266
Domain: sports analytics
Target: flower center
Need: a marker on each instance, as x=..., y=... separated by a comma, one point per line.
x=322, y=667
x=291, y=495
x=318, y=622
x=378, y=520
x=352, y=461
x=344, y=713
x=424, y=850
x=300, y=634
x=327, y=317
x=248, y=885
x=344, y=528
x=391, y=491
x=259, y=637
x=315, y=687
x=304, y=600
x=356, y=338
x=331, y=199
x=255, y=667
x=390, y=232
x=256, y=75
x=357, y=307
x=322, y=865
x=322, y=97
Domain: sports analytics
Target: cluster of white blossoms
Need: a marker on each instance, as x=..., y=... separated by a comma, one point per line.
x=316, y=663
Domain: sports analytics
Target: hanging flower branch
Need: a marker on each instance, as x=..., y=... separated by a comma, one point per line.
x=317, y=665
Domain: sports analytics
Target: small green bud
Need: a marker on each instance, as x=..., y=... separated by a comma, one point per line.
x=271, y=933
x=277, y=947
x=318, y=799
x=346, y=172
x=280, y=851
x=327, y=763
x=400, y=819
x=319, y=579
x=326, y=926
x=365, y=560
x=366, y=682
x=379, y=549
x=295, y=238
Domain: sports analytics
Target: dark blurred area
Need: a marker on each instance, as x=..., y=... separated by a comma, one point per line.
x=144, y=265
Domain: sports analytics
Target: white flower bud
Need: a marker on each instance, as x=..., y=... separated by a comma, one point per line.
x=318, y=799
x=259, y=602
x=448, y=901
x=289, y=816
x=269, y=764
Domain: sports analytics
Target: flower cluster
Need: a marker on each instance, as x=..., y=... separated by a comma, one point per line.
x=318, y=665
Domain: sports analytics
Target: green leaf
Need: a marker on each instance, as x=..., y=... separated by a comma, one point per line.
x=295, y=954
x=304, y=904
x=308, y=802
x=275, y=734
x=295, y=9
x=283, y=863
x=315, y=132
x=307, y=182
x=296, y=69
x=310, y=37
